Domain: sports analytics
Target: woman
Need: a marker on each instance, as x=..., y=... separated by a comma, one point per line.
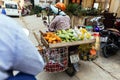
x=61, y=20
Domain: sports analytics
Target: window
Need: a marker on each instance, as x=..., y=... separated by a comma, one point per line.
x=87, y=3
x=12, y=6
x=96, y=5
x=76, y=1
x=103, y=4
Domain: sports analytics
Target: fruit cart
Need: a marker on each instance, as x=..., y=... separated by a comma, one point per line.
x=58, y=57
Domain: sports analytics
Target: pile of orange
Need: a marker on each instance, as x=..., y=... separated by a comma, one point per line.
x=51, y=37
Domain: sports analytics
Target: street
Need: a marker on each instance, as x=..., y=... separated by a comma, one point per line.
x=100, y=69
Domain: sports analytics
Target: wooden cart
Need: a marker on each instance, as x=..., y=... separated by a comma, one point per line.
x=65, y=58
x=64, y=44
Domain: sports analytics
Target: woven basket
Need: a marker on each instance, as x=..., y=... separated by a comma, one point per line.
x=56, y=59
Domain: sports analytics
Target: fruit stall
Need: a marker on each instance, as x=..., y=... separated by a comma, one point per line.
x=68, y=37
x=66, y=47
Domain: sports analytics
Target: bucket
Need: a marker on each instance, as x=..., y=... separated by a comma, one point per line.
x=89, y=28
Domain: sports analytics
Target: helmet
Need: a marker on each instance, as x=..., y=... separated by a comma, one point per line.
x=61, y=6
x=56, y=10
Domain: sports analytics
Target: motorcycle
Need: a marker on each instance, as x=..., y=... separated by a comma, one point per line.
x=110, y=42
x=97, y=23
x=73, y=65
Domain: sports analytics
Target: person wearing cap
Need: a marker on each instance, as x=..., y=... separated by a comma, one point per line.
x=61, y=20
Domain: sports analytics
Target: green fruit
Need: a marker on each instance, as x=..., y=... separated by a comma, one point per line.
x=59, y=32
x=70, y=31
x=64, y=32
x=62, y=36
x=67, y=40
x=67, y=36
x=70, y=34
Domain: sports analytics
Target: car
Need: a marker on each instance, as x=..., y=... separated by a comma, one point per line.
x=11, y=8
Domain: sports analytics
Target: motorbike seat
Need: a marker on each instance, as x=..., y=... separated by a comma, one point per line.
x=112, y=29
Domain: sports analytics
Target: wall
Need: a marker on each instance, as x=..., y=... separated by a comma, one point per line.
x=66, y=2
x=114, y=5
x=118, y=11
x=36, y=2
x=1, y=3
x=21, y=3
x=87, y=3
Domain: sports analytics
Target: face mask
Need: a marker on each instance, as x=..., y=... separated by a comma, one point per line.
x=57, y=11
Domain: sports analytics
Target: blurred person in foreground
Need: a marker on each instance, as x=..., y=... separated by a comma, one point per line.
x=17, y=53
x=61, y=20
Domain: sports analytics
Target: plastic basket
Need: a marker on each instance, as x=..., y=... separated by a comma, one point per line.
x=56, y=59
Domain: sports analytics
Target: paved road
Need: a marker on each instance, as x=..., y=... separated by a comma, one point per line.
x=100, y=69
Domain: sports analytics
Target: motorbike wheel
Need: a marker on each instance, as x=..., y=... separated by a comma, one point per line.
x=107, y=51
x=70, y=70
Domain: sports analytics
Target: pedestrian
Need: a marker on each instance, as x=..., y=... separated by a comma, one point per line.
x=17, y=52
x=3, y=10
x=61, y=20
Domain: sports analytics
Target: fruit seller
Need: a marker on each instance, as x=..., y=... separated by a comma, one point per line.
x=17, y=52
x=61, y=20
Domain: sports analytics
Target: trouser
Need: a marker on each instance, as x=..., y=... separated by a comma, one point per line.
x=22, y=76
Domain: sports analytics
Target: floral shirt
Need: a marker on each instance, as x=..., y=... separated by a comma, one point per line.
x=60, y=22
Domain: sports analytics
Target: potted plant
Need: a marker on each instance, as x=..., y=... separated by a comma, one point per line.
x=75, y=12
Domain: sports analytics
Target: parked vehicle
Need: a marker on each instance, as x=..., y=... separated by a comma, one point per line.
x=110, y=37
x=110, y=42
x=97, y=23
x=73, y=64
x=117, y=24
x=11, y=8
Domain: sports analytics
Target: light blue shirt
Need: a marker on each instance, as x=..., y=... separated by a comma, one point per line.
x=16, y=50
